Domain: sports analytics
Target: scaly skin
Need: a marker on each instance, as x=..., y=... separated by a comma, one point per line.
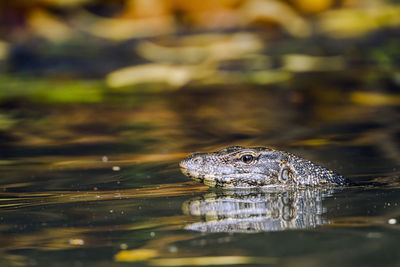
x=241, y=167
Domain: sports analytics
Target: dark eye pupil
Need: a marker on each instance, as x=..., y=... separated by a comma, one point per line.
x=247, y=158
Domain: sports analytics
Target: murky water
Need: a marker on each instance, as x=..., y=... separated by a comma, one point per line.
x=98, y=184
x=100, y=100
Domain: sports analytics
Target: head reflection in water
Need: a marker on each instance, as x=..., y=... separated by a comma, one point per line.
x=237, y=211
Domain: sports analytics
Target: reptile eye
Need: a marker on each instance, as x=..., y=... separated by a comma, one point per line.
x=247, y=158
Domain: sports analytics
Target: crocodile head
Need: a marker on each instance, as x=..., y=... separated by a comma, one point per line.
x=238, y=167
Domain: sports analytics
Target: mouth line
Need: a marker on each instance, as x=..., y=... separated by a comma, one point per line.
x=233, y=180
x=232, y=176
x=185, y=171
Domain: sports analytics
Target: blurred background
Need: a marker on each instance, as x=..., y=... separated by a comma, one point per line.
x=156, y=76
x=89, y=77
x=99, y=100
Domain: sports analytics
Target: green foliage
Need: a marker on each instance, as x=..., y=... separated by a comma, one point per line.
x=51, y=91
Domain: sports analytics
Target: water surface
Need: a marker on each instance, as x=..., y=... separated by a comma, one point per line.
x=98, y=184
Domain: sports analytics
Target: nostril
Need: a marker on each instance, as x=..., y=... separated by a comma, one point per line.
x=198, y=160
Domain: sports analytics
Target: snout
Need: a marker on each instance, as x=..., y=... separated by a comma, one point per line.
x=193, y=165
x=184, y=163
x=193, y=161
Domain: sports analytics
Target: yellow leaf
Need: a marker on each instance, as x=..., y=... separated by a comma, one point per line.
x=304, y=63
x=48, y=26
x=313, y=6
x=135, y=255
x=4, y=47
x=66, y=3
x=344, y=23
x=175, y=76
x=123, y=29
x=278, y=12
x=375, y=99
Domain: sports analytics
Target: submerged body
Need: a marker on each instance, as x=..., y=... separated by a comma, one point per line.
x=241, y=167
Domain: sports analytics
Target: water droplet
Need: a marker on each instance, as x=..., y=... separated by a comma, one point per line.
x=116, y=168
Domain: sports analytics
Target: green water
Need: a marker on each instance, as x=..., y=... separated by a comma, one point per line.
x=98, y=184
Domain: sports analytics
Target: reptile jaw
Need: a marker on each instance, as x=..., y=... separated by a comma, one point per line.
x=232, y=180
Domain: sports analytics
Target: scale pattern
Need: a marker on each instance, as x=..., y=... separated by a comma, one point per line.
x=241, y=167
